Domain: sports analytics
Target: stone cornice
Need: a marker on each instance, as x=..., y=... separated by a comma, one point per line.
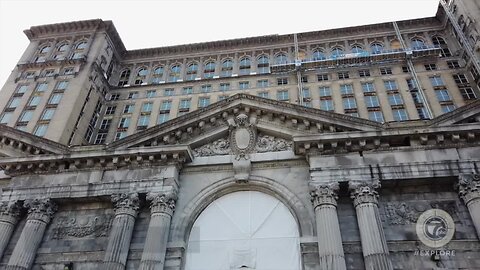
x=177, y=154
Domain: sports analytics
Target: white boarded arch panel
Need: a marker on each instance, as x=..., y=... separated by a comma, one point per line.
x=244, y=230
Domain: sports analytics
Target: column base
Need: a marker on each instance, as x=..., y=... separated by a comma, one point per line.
x=151, y=265
x=332, y=262
x=113, y=266
x=378, y=262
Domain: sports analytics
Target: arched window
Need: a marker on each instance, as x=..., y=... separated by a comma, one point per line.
x=245, y=66
x=281, y=58
x=45, y=49
x=157, y=74
x=63, y=47
x=43, y=54
x=357, y=49
x=81, y=45
x=175, y=73
x=376, y=48
x=337, y=52
x=141, y=76
x=79, y=50
x=417, y=44
x=61, y=50
x=263, y=65
x=227, y=68
x=192, y=71
x=124, y=77
x=318, y=55
x=439, y=42
x=209, y=70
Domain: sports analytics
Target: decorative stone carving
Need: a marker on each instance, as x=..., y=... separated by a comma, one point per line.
x=267, y=143
x=162, y=202
x=324, y=194
x=10, y=211
x=218, y=147
x=364, y=192
x=242, y=135
x=469, y=187
x=40, y=209
x=94, y=226
x=126, y=204
x=401, y=213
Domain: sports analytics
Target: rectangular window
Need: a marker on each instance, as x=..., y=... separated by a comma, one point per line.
x=395, y=100
x=163, y=117
x=411, y=84
x=263, y=94
x=390, y=85
x=203, y=102
x=436, y=81
x=306, y=93
x=151, y=94
x=386, y=71
x=364, y=73
x=368, y=87
x=166, y=105
x=429, y=67
x=55, y=99
x=448, y=107
x=453, y=64
x=187, y=90
x=47, y=114
x=343, y=75
x=68, y=71
x=222, y=97
x=120, y=135
x=375, y=116
x=114, y=97
x=467, y=93
x=105, y=125
x=61, y=85
x=224, y=87
x=110, y=110
x=262, y=83
x=322, y=77
x=184, y=105
x=282, y=81
x=243, y=85
x=405, y=69
x=49, y=73
x=304, y=79
x=143, y=120
x=443, y=95
x=326, y=105
x=124, y=122
x=41, y=87
x=101, y=138
x=5, y=118
x=400, y=115
x=34, y=101
x=132, y=95
x=40, y=130
x=372, y=101
x=460, y=79
x=21, y=89
x=128, y=108
x=30, y=74
x=416, y=97
x=325, y=91
x=422, y=113
x=346, y=89
x=349, y=103
x=14, y=102
x=282, y=95
x=147, y=107
x=206, y=88
x=26, y=116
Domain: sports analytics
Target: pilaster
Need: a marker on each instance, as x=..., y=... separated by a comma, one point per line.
x=9, y=214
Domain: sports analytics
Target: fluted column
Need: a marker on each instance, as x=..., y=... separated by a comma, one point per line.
x=374, y=245
x=330, y=249
x=162, y=206
x=40, y=212
x=126, y=209
x=9, y=213
x=469, y=191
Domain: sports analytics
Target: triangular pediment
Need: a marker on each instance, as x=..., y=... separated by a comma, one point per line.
x=467, y=114
x=273, y=118
x=17, y=143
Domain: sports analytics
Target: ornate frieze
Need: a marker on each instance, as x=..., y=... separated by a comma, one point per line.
x=469, y=187
x=126, y=204
x=81, y=226
x=267, y=143
x=40, y=209
x=218, y=147
x=10, y=211
x=162, y=202
x=324, y=194
x=364, y=192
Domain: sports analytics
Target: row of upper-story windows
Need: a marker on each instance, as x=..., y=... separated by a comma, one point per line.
x=63, y=50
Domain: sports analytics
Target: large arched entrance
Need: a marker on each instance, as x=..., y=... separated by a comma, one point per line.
x=244, y=230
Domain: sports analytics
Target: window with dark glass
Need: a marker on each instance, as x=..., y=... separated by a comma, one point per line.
x=209, y=70
x=263, y=65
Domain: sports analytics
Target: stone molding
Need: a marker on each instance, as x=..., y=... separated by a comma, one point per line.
x=126, y=204
x=364, y=192
x=469, y=187
x=10, y=211
x=324, y=194
x=162, y=202
x=40, y=209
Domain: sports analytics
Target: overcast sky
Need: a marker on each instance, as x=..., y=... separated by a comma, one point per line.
x=149, y=23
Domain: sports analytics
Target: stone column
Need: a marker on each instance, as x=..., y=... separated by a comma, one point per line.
x=374, y=245
x=330, y=249
x=126, y=209
x=40, y=212
x=162, y=206
x=469, y=191
x=9, y=213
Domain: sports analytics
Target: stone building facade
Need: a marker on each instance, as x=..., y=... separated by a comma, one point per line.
x=353, y=148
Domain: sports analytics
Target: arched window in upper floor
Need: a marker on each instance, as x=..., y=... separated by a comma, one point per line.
x=281, y=58
x=439, y=42
x=318, y=54
x=417, y=43
x=227, y=68
x=376, y=48
x=209, y=70
x=337, y=52
x=175, y=73
x=157, y=75
x=43, y=54
x=45, y=49
x=81, y=45
x=192, y=71
x=356, y=48
x=141, y=76
x=79, y=50
x=245, y=65
x=263, y=65
x=124, y=77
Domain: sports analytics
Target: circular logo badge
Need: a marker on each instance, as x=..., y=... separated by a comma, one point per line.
x=435, y=228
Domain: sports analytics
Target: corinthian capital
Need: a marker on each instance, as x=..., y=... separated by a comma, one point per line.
x=162, y=202
x=40, y=209
x=322, y=194
x=126, y=204
x=10, y=211
x=469, y=187
x=364, y=192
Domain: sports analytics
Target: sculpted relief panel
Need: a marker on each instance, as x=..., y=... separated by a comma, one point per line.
x=406, y=213
x=80, y=226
